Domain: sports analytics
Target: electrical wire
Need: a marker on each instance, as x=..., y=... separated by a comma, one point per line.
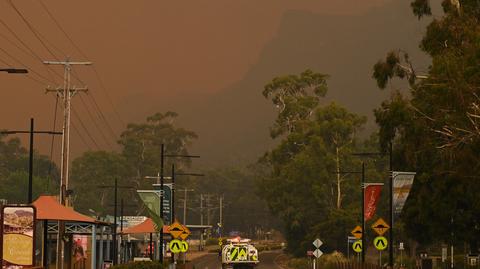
x=102, y=116
x=80, y=51
x=32, y=29
x=74, y=128
x=95, y=122
x=35, y=55
x=75, y=114
x=5, y=63
x=28, y=67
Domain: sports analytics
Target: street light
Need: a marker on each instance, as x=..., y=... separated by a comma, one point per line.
x=30, y=159
x=14, y=70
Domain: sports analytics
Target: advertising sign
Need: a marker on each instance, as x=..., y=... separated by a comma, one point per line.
x=372, y=195
x=151, y=198
x=80, y=247
x=18, y=229
x=402, y=184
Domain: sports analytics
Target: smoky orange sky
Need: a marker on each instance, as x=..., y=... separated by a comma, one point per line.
x=145, y=51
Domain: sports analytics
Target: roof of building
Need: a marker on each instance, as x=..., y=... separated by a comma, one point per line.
x=48, y=208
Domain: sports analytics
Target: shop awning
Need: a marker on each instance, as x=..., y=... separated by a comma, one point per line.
x=48, y=208
x=145, y=227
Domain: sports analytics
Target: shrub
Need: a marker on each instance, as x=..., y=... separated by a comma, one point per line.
x=140, y=265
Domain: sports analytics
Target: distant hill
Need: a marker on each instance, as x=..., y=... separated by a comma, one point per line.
x=234, y=125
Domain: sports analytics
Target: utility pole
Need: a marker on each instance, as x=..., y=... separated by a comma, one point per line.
x=221, y=216
x=115, y=214
x=392, y=243
x=173, y=205
x=201, y=221
x=162, y=182
x=364, y=232
x=162, y=156
x=68, y=93
x=185, y=191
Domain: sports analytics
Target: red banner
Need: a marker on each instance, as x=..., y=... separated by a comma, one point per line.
x=372, y=195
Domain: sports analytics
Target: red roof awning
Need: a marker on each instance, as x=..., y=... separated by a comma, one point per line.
x=48, y=208
x=145, y=227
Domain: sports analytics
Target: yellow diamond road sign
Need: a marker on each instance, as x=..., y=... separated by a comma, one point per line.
x=176, y=229
x=380, y=227
x=186, y=232
x=357, y=232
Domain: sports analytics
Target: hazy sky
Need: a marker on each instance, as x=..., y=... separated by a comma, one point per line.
x=168, y=50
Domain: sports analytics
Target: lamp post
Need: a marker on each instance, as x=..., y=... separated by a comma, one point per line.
x=372, y=154
x=30, y=159
x=162, y=178
x=115, y=204
x=14, y=70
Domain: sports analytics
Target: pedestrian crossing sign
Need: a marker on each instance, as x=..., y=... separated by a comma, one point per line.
x=357, y=246
x=380, y=243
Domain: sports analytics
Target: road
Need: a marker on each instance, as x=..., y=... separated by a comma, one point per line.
x=212, y=261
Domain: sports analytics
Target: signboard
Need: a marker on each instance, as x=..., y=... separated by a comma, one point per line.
x=317, y=253
x=380, y=227
x=184, y=247
x=80, y=248
x=186, y=232
x=151, y=198
x=372, y=196
x=357, y=246
x=351, y=239
x=380, y=243
x=18, y=229
x=317, y=243
x=175, y=246
x=357, y=232
x=402, y=184
x=176, y=229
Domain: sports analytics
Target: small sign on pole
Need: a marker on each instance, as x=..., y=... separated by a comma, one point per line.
x=317, y=243
x=357, y=232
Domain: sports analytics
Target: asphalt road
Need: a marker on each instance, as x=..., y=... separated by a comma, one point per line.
x=212, y=261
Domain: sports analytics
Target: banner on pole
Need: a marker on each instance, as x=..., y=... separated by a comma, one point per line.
x=372, y=195
x=151, y=198
x=402, y=184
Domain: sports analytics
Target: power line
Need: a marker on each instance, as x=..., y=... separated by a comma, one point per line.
x=81, y=137
x=61, y=29
x=95, y=122
x=85, y=128
x=29, y=68
x=102, y=116
x=33, y=54
x=5, y=63
x=97, y=75
x=32, y=29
